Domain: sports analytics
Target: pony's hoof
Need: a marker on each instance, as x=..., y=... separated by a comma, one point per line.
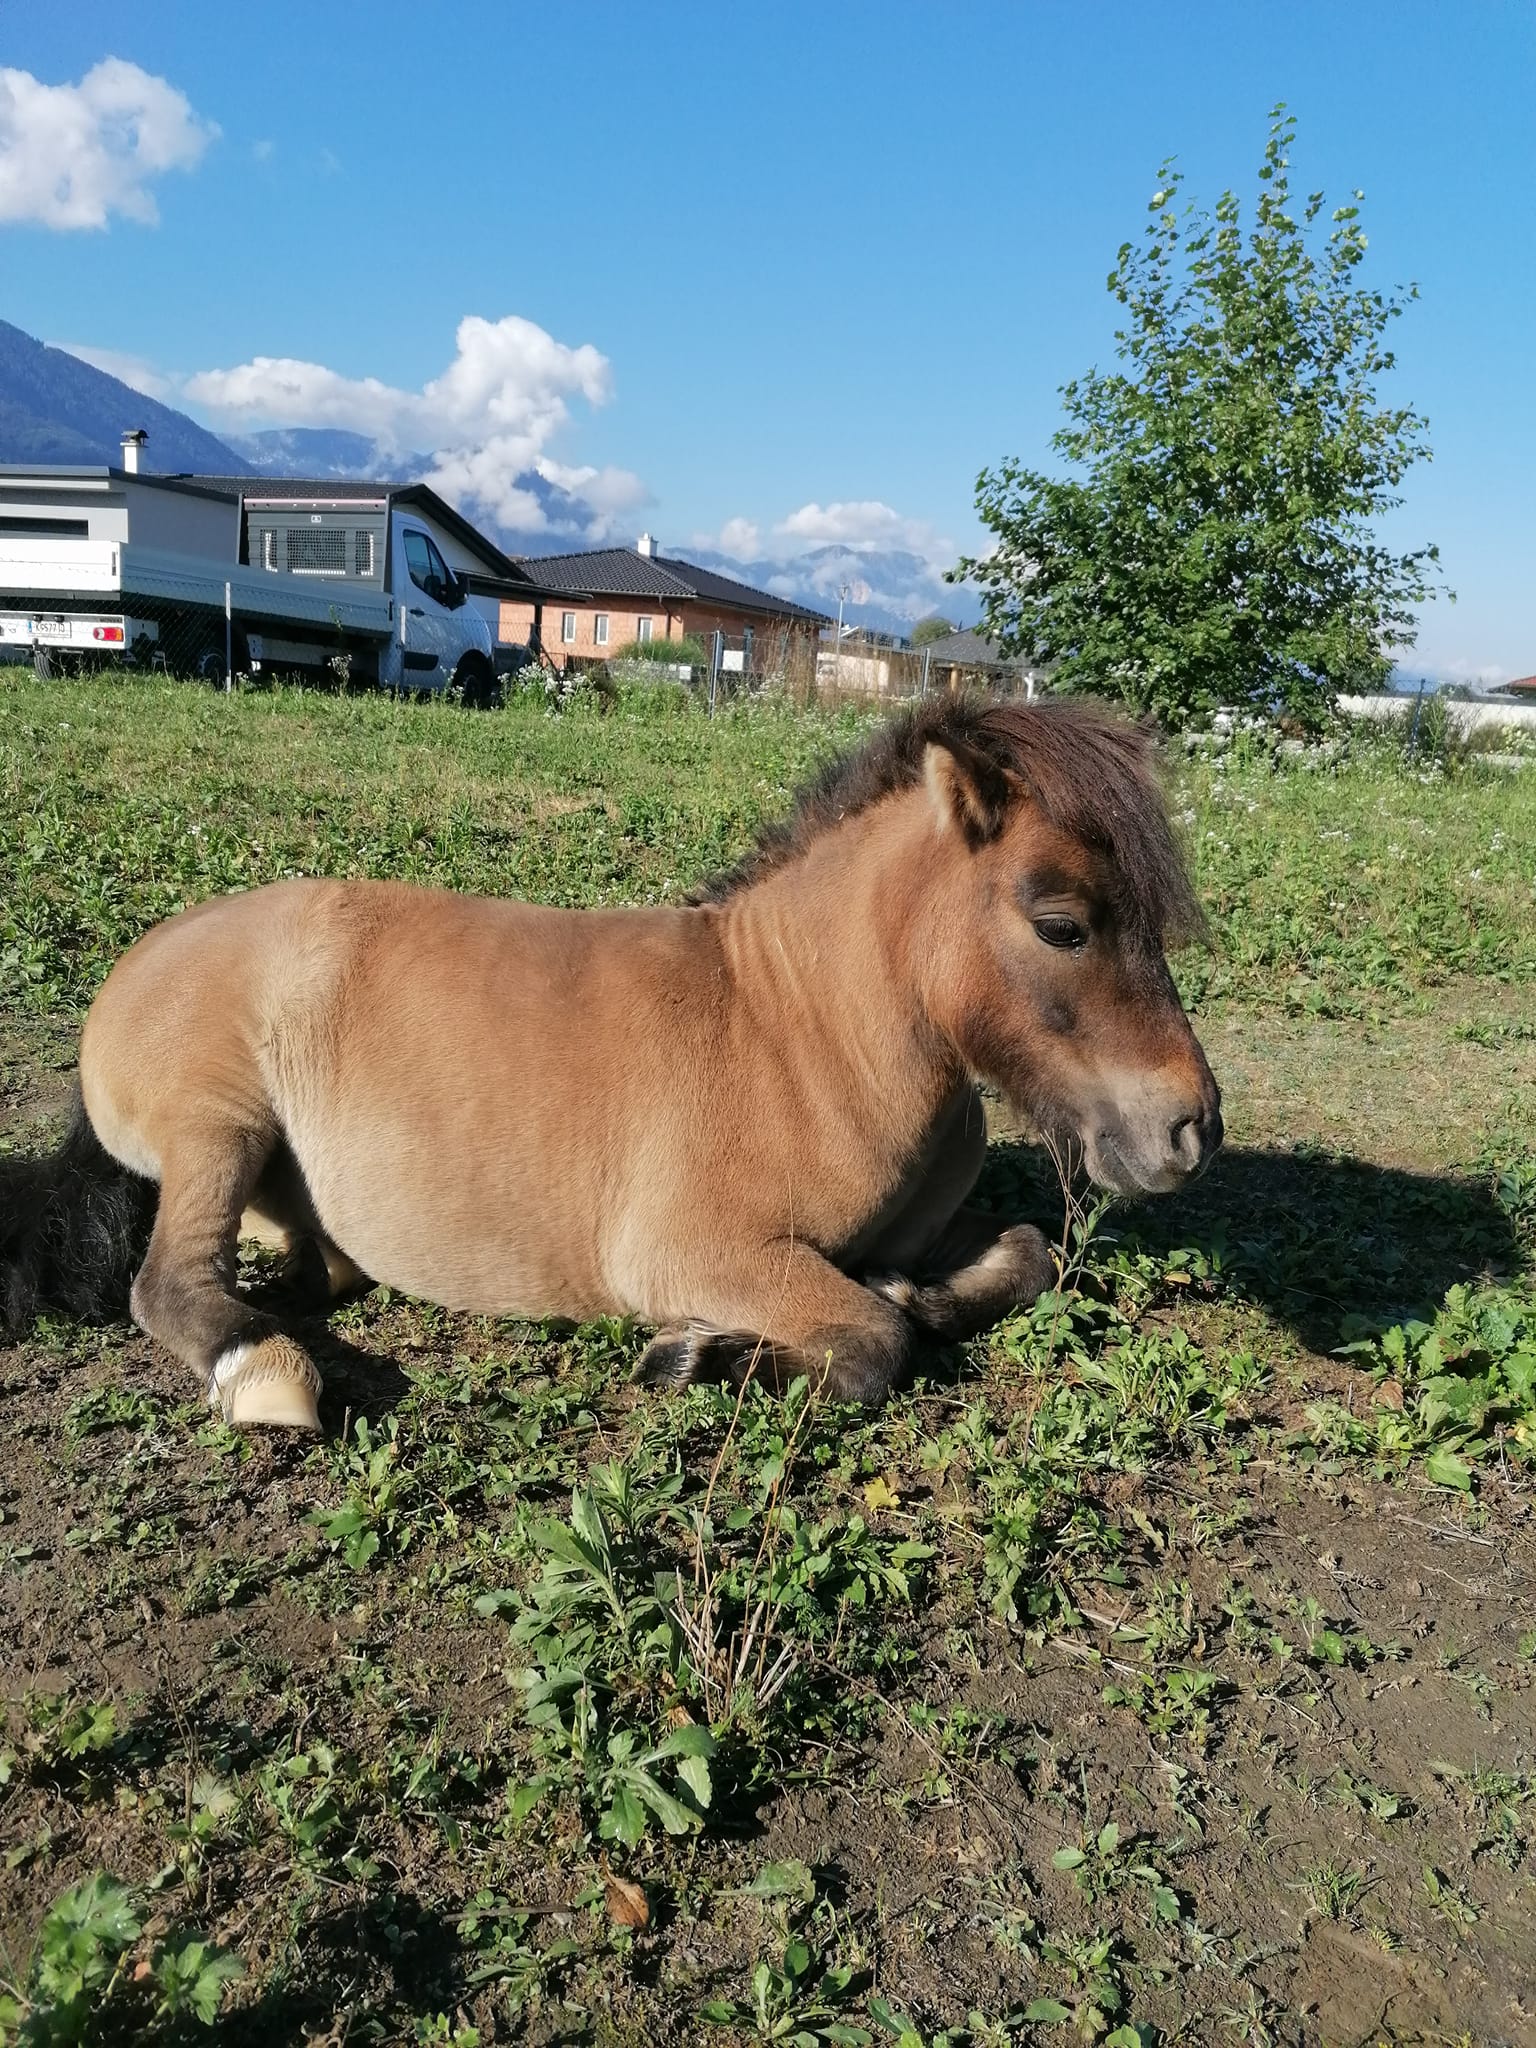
x=669, y=1362
x=272, y=1383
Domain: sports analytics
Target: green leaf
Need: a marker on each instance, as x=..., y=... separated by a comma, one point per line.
x=625, y=1818
x=694, y=1772
x=781, y=1880
x=905, y=2031
x=101, y=1907
x=192, y=1978
x=1069, y=1859
x=587, y=1521
x=689, y=1740
x=1047, y=2012
x=1446, y=1469
x=676, y=1818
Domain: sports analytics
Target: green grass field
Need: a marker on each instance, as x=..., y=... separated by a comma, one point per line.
x=1160, y=1668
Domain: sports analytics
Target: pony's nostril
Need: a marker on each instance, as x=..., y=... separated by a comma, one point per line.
x=1186, y=1138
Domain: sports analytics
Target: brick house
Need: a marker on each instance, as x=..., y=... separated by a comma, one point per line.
x=615, y=595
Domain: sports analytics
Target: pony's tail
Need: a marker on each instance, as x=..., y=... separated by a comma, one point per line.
x=74, y=1228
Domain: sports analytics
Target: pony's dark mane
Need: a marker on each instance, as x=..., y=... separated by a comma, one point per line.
x=1092, y=773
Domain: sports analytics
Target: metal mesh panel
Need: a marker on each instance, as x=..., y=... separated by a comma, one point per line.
x=317, y=551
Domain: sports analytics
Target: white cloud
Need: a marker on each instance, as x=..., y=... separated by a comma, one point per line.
x=487, y=418
x=739, y=537
x=612, y=494
x=1418, y=666
x=862, y=522
x=262, y=150
x=130, y=370
x=73, y=155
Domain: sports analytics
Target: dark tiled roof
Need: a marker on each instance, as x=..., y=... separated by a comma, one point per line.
x=969, y=649
x=337, y=487
x=622, y=572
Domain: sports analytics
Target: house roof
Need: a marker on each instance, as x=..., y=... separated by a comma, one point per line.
x=624, y=572
x=102, y=474
x=969, y=649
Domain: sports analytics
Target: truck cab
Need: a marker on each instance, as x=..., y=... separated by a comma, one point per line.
x=436, y=637
x=439, y=627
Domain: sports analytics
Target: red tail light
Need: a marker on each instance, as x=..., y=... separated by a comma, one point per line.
x=106, y=632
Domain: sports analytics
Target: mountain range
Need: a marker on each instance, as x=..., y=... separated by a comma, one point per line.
x=54, y=407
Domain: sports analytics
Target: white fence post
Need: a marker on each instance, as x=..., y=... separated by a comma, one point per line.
x=229, y=643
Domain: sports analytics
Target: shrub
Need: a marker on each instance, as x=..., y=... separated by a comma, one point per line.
x=690, y=650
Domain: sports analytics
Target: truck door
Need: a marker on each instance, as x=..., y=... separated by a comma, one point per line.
x=432, y=638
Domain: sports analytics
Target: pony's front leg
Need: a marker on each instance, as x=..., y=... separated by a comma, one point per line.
x=975, y=1275
x=779, y=1313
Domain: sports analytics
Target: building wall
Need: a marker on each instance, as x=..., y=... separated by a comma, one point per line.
x=624, y=615
x=182, y=521
x=106, y=516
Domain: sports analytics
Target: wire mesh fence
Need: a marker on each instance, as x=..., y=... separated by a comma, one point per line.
x=213, y=645
x=199, y=642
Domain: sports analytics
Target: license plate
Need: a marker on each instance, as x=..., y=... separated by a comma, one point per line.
x=50, y=629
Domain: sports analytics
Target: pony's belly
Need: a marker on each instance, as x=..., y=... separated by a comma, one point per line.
x=480, y=1274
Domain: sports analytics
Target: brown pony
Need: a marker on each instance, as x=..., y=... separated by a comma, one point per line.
x=751, y=1120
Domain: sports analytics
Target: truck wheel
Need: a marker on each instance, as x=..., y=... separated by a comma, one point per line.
x=476, y=683
x=209, y=667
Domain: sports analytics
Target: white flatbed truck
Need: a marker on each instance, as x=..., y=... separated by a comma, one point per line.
x=216, y=576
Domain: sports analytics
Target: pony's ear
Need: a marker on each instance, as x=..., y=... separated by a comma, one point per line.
x=967, y=789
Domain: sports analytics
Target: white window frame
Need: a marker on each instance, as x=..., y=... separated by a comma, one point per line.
x=645, y=629
x=567, y=629
x=600, y=629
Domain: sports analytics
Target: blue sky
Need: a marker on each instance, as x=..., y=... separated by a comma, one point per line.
x=789, y=274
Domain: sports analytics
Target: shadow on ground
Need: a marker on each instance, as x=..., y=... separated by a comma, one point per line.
x=1327, y=1244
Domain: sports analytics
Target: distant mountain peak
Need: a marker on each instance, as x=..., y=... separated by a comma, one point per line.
x=56, y=408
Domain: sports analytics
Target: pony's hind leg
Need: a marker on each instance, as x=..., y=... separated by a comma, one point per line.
x=279, y=1211
x=975, y=1275
x=185, y=1293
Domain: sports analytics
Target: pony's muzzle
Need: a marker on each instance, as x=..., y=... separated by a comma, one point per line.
x=1157, y=1145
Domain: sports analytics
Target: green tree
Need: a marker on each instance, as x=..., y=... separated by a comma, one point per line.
x=1216, y=542
x=933, y=628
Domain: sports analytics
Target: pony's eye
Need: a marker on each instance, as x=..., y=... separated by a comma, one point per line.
x=1061, y=931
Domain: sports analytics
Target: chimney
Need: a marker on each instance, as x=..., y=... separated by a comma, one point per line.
x=645, y=545
x=132, y=443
